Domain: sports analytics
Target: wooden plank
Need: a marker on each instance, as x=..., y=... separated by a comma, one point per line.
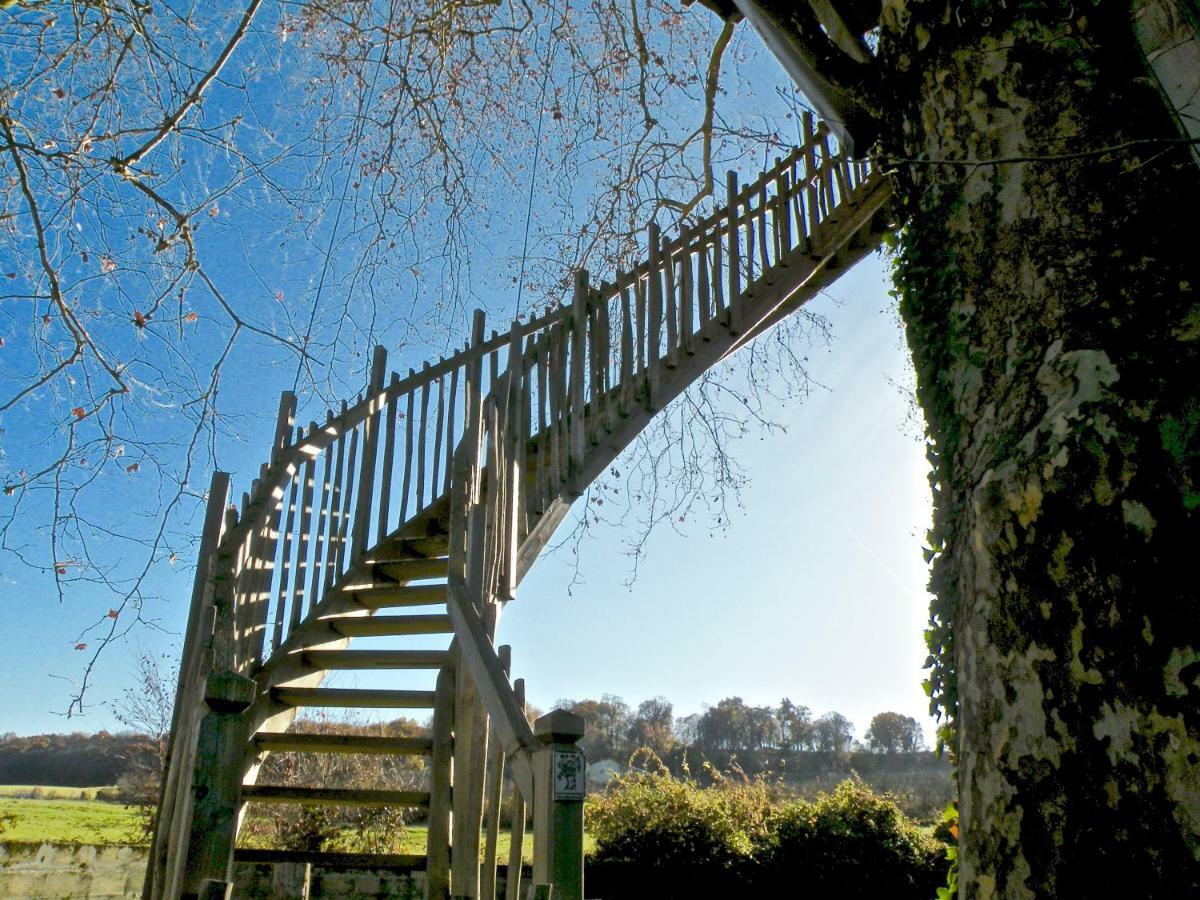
x=439, y=416
x=627, y=360
x=312, y=520
x=165, y=863
x=285, y=562
x=687, y=296
x=343, y=543
x=406, y=479
x=437, y=840
x=389, y=450
x=763, y=242
x=306, y=796
x=641, y=289
x=703, y=290
x=333, y=521
x=470, y=749
x=361, y=530
x=734, y=256
x=512, y=887
x=375, y=659
x=385, y=596
x=654, y=311
x=422, y=440
x=812, y=196
x=718, y=281
x=576, y=399
x=783, y=213
x=382, y=626
x=493, y=799
x=450, y=429
x=379, y=745
x=360, y=698
x=670, y=266
x=306, y=508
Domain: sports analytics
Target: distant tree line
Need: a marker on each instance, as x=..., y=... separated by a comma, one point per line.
x=734, y=728
x=74, y=760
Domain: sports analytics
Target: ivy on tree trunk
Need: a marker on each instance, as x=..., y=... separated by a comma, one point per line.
x=1049, y=290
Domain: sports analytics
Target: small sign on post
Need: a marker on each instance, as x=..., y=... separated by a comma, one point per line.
x=570, y=776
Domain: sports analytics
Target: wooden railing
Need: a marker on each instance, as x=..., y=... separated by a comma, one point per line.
x=493, y=438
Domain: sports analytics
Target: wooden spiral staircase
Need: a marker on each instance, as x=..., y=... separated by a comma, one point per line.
x=414, y=512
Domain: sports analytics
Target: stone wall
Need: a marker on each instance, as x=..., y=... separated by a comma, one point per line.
x=84, y=872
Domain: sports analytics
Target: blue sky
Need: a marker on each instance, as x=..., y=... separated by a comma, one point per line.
x=814, y=591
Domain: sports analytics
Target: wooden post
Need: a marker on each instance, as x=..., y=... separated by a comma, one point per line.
x=283, y=424
x=811, y=195
x=494, y=799
x=559, y=788
x=366, y=476
x=516, y=844
x=437, y=847
x=217, y=785
x=185, y=716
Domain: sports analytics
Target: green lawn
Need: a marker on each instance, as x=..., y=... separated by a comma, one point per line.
x=68, y=821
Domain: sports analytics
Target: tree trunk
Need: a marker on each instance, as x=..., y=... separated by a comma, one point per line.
x=1052, y=312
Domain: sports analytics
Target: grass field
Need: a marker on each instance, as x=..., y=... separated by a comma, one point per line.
x=63, y=818
x=50, y=791
x=68, y=821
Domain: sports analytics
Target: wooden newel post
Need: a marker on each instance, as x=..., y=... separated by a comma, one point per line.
x=217, y=786
x=560, y=784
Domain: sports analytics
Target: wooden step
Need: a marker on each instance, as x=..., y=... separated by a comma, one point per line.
x=411, y=569
x=372, y=698
x=341, y=743
x=382, y=626
x=375, y=659
x=263, y=793
x=328, y=858
x=389, y=597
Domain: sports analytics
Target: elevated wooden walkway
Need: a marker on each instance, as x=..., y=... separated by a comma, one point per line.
x=412, y=514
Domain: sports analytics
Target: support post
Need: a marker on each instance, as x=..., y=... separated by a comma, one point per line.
x=559, y=788
x=217, y=787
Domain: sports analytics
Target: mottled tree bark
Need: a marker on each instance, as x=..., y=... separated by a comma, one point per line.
x=1051, y=307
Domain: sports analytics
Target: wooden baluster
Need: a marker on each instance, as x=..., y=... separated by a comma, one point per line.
x=627, y=362
x=343, y=543
x=437, y=436
x=641, y=289
x=599, y=346
x=324, y=520
x=516, y=845
x=717, y=279
x=285, y=559
x=541, y=348
x=494, y=364
x=763, y=244
x=671, y=312
x=406, y=479
x=366, y=474
x=797, y=198
x=734, y=262
x=558, y=395
x=783, y=209
x=654, y=313
x=577, y=400
x=284, y=423
x=494, y=798
x=609, y=367
x=335, y=506
x=686, y=292
x=828, y=201
x=422, y=439
x=302, y=544
x=812, y=195
x=703, y=290
x=450, y=423
x=389, y=451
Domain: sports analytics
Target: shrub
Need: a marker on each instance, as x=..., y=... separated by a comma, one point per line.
x=851, y=843
x=661, y=836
